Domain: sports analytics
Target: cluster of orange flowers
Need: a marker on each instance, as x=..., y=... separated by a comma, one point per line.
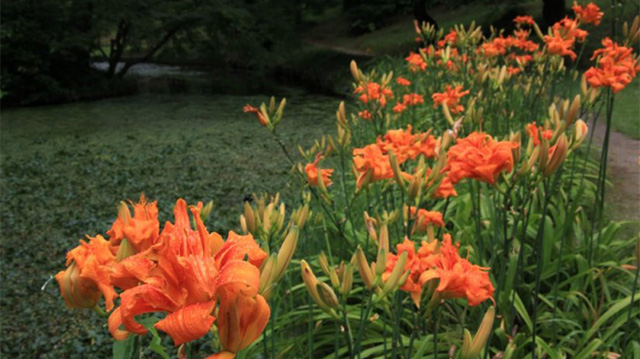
x=182, y=271
x=412, y=99
x=406, y=145
x=374, y=92
x=458, y=278
x=565, y=33
x=372, y=161
x=589, y=14
x=480, y=157
x=451, y=98
x=616, y=67
x=500, y=45
x=416, y=62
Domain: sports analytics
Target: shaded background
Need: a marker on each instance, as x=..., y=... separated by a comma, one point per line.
x=103, y=100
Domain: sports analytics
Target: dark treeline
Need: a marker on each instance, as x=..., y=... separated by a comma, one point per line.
x=48, y=46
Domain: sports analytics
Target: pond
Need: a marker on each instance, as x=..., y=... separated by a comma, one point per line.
x=65, y=168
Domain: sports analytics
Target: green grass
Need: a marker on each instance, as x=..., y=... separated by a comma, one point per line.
x=65, y=168
x=626, y=111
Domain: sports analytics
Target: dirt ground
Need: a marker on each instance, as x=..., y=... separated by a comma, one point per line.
x=624, y=172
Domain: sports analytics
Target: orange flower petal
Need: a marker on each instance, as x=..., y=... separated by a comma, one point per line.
x=188, y=323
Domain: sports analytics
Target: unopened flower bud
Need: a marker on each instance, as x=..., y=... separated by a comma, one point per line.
x=363, y=267
x=558, y=156
x=471, y=349
x=347, y=280
x=393, y=282
x=580, y=131
x=286, y=252
x=327, y=295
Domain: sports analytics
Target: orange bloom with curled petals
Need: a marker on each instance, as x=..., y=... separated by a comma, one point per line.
x=424, y=218
x=416, y=62
x=400, y=142
x=458, y=277
x=261, y=118
x=589, y=14
x=372, y=165
x=313, y=173
x=451, y=98
x=557, y=45
x=538, y=133
x=193, y=270
x=141, y=230
x=417, y=263
x=616, y=67
x=480, y=157
x=403, y=82
x=88, y=275
x=522, y=20
x=406, y=145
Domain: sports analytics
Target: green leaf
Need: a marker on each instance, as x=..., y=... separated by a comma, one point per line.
x=522, y=311
x=589, y=349
x=123, y=349
x=620, y=305
x=156, y=342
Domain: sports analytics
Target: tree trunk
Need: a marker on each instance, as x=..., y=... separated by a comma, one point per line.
x=420, y=13
x=553, y=11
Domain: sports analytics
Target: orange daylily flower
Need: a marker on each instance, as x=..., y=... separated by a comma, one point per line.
x=313, y=172
x=458, y=277
x=522, y=20
x=141, y=230
x=416, y=62
x=261, y=118
x=480, y=157
x=449, y=38
x=412, y=99
x=564, y=35
x=424, y=218
x=445, y=188
x=496, y=47
x=193, y=269
x=399, y=107
x=371, y=164
x=87, y=276
x=417, y=263
x=538, y=133
x=403, y=82
x=589, y=14
x=450, y=97
x=406, y=145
